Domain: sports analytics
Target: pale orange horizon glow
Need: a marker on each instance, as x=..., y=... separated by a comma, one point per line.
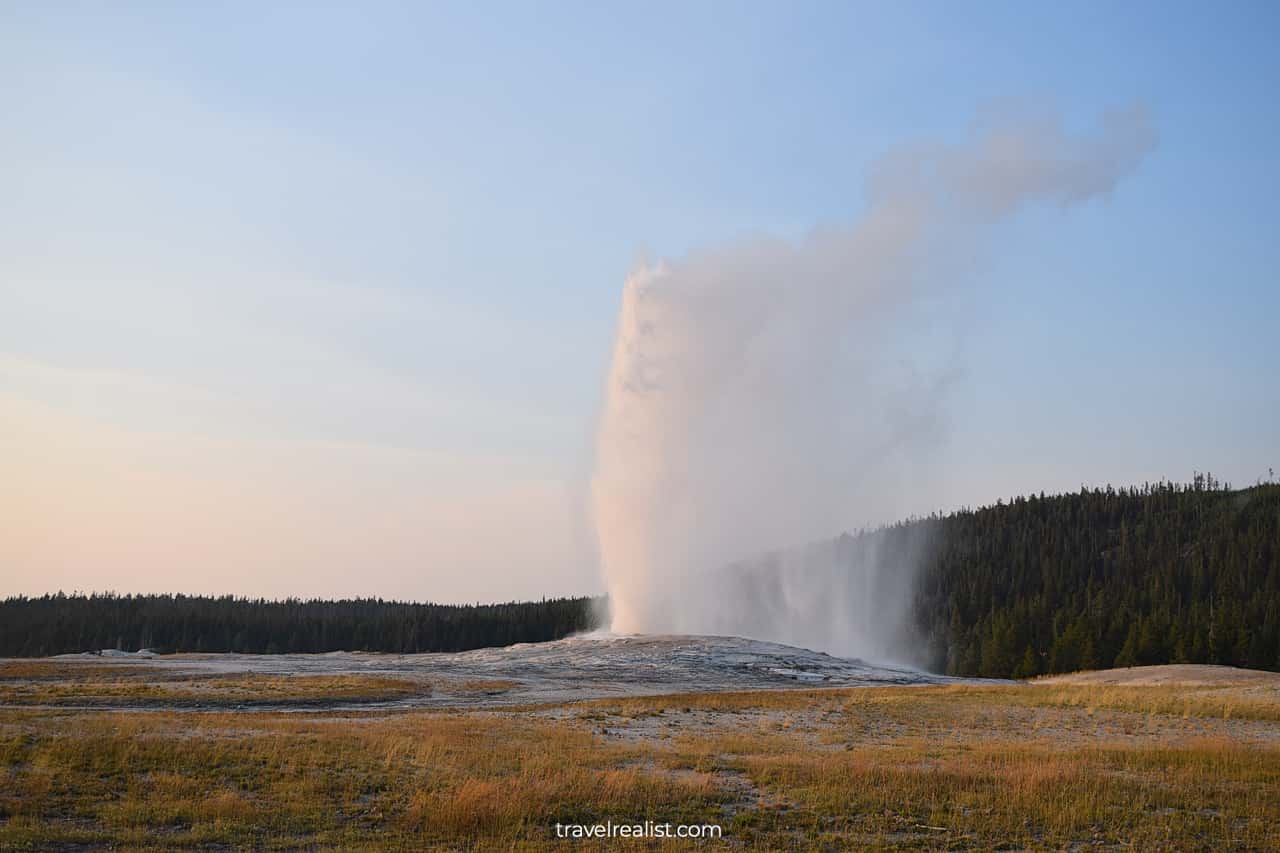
x=92, y=507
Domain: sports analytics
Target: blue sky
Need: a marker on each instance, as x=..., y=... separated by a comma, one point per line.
x=319, y=299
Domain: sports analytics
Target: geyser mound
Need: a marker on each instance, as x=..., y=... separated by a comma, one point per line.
x=591, y=666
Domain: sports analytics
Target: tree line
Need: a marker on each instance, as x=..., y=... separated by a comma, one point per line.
x=59, y=624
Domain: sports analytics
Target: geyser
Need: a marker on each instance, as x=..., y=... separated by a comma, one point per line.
x=767, y=393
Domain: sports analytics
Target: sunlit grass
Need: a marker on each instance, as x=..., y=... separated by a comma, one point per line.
x=1225, y=702
x=956, y=767
x=1207, y=794
x=112, y=686
x=249, y=778
x=70, y=669
x=1233, y=702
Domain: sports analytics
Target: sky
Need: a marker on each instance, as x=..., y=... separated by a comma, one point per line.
x=318, y=299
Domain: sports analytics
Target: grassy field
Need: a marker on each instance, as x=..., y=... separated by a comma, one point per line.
x=61, y=683
x=1047, y=766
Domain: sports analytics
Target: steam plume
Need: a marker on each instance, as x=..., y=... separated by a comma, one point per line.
x=757, y=396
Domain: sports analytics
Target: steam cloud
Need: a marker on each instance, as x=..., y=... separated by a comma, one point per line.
x=765, y=394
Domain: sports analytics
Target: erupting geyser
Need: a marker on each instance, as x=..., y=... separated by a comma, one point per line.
x=765, y=394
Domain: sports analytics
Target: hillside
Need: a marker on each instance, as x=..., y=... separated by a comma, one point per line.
x=1156, y=574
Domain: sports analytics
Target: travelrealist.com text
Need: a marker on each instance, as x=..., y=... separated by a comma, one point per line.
x=647, y=829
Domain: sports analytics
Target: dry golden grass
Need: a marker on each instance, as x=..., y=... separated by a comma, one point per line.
x=69, y=669
x=1209, y=795
x=1229, y=702
x=176, y=779
x=485, y=685
x=1224, y=702
x=107, y=685
x=960, y=767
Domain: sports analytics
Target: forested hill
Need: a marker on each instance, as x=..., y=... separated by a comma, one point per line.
x=57, y=624
x=1105, y=577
